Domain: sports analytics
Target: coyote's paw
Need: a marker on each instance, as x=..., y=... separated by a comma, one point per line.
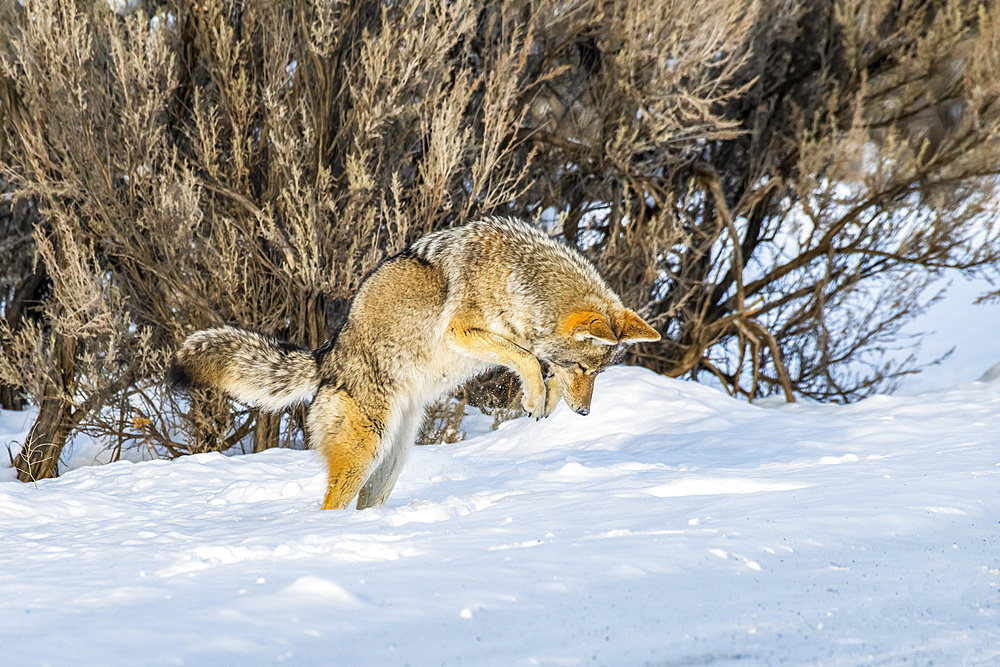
x=533, y=398
x=534, y=404
x=553, y=392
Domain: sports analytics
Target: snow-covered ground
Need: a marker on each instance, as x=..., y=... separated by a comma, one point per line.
x=673, y=526
x=955, y=323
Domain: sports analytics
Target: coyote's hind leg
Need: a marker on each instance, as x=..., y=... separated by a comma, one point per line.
x=349, y=440
x=379, y=485
x=396, y=443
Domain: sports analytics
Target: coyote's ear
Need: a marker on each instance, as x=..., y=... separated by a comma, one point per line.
x=586, y=324
x=632, y=329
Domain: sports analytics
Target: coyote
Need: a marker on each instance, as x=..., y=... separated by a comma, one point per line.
x=495, y=292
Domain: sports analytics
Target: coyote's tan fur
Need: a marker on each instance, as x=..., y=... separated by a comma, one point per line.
x=495, y=292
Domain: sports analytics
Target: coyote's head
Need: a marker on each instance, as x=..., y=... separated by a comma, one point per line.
x=586, y=343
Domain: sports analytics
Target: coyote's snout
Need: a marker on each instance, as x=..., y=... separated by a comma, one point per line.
x=495, y=292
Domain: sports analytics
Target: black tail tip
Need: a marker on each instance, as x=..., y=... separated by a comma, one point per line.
x=177, y=378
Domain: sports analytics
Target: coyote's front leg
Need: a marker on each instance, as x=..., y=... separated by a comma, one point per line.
x=553, y=392
x=496, y=349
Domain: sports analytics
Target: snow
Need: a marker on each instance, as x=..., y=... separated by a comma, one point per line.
x=672, y=526
x=958, y=324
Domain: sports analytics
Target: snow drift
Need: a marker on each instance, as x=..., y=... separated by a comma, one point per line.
x=674, y=525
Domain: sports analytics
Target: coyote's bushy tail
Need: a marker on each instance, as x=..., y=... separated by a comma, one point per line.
x=251, y=367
